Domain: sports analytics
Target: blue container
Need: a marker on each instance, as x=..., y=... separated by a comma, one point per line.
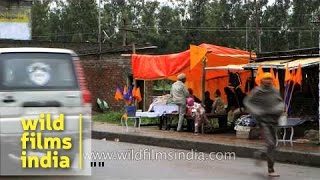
x=131, y=111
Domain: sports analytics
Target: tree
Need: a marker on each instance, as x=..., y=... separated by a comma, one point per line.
x=302, y=32
x=40, y=21
x=275, y=26
x=174, y=24
x=81, y=20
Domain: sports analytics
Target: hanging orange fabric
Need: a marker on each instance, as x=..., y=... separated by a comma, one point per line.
x=276, y=82
x=288, y=76
x=154, y=67
x=259, y=75
x=219, y=83
x=275, y=79
x=134, y=91
x=196, y=55
x=298, y=76
x=151, y=67
x=138, y=95
x=118, y=95
x=272, y=73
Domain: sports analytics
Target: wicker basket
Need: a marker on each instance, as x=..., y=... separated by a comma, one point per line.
x=243, y=134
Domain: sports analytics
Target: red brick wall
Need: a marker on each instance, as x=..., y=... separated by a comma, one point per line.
x=103, y=76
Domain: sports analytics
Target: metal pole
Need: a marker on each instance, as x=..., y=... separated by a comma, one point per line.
x=257, y=26
x=246, y=34
x=99, y=24
x=319, y=98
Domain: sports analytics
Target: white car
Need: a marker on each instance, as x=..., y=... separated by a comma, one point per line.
x=35, y=81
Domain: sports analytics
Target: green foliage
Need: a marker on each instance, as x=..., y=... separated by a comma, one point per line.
x=109, y=117
x=115, y=118
x=174, y=24
x=39, y=19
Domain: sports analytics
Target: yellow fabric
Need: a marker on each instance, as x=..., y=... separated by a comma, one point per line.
x=196, y=55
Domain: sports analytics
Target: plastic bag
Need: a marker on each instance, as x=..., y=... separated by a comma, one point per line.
x=247, y=121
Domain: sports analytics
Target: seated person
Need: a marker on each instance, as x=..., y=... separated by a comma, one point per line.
x=196, y=111
x=218, y=105
x=235, y=103
x=197, y=100
x=207, y=102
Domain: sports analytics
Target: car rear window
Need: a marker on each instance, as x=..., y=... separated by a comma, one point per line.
x=38, y=71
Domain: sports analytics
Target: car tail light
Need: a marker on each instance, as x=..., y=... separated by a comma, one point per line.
x=86, y=95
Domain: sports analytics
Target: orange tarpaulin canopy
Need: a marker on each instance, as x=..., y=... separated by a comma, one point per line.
x=151, y=67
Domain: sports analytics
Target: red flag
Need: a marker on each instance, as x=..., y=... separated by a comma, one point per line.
x=259, y=75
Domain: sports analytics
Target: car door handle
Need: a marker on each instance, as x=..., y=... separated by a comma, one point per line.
x=72, y=96
x=8, y=99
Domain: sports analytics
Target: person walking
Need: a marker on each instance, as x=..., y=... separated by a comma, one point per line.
x=266, y=105
x=179, y=94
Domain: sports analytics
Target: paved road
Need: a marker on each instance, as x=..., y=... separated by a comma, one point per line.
x=240, y=168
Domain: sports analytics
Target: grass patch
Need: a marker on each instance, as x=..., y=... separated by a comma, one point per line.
x=113, y=117
x=108, y=117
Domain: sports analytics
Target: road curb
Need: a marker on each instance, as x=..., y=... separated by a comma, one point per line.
x=292, y=157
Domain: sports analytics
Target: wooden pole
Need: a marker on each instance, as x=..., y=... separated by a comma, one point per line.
x=289, y=102
x=203, y=81
x=134, y=80
x=319, y=95
x=286, y=92
x=144, y=95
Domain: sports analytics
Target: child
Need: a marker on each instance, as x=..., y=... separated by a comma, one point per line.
x=198, y=112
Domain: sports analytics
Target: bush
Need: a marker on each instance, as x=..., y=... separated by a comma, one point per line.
x=109, y=117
